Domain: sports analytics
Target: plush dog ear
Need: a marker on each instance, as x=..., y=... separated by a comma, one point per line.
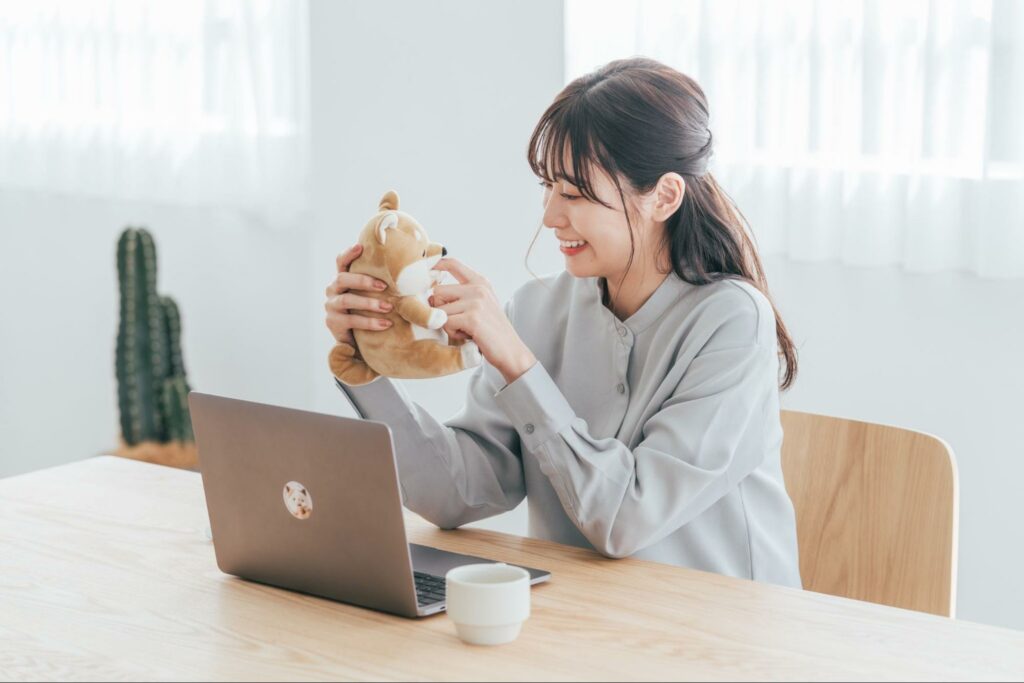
x=389, y=220
x=389, y=202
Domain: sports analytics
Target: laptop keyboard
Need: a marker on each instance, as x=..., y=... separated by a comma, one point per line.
x=429, y=588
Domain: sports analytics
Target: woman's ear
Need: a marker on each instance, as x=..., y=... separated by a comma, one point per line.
x=669, y=193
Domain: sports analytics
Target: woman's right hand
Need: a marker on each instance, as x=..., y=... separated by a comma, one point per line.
x=341, y=302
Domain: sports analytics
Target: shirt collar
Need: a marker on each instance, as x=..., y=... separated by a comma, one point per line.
x=666, y=294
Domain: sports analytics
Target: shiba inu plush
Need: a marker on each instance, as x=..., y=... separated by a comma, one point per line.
x=396, y=250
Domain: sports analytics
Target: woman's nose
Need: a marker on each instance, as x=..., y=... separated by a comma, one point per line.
x=554, y=216
x=554, y=219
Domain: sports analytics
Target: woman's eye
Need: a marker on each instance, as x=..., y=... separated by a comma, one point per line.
x=570, y=197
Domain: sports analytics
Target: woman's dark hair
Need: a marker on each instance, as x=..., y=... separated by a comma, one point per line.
x=639, y=119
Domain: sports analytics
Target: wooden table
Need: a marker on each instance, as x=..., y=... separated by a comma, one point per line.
x=105, y=573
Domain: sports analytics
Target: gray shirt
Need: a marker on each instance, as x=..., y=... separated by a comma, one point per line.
x=656, y=437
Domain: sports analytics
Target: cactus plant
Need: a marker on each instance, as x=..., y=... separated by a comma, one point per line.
x=175, y=389
x=151, y=380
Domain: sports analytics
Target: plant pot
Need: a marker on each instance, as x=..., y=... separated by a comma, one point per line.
x=183, y=455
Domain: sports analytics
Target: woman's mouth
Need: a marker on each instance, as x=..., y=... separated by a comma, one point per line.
x=572, y=248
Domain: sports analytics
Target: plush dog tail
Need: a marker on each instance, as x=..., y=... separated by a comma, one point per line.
x=348, y=366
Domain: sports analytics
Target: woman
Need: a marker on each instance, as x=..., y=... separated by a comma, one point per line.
x=633, y=397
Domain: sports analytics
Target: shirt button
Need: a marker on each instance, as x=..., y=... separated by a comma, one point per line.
x=529, y=428
x=622, y=331
x=621, y=388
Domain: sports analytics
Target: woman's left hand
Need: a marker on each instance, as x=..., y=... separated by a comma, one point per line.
x=475, y=312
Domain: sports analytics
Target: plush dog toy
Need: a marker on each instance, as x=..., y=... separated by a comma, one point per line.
x=397, y=251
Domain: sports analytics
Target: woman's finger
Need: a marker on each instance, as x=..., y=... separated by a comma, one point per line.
x=449, y=293
x=346, y=301
x=364, y=322
x=459, y=325
x=454, y=307
x=439, y=298
x=343, y=261
x=460, y=270
x=345, y=280
x=346, y=257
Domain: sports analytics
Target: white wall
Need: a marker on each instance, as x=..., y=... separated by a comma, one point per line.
x=437, y=100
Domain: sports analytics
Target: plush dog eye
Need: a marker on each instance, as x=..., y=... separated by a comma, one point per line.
x=424, y=253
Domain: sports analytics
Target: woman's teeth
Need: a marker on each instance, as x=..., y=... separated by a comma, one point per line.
x=571, y=245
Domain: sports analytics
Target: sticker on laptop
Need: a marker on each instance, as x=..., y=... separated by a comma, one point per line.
x=297, y=500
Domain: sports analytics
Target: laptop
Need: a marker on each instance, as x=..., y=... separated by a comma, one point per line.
x=311, y=502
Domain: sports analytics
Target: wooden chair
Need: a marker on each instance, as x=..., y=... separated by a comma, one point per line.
x=876, y=510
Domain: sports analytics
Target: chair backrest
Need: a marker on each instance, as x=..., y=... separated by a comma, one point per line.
x=876, y=510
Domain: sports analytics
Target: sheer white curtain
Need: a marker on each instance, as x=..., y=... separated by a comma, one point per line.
x=186, y=102
x=869, y=132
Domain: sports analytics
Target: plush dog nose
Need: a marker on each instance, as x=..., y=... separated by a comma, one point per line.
x=444, y=251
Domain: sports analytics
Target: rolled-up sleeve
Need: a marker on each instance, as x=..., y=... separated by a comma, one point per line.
x=463, y=469
x=704, y=438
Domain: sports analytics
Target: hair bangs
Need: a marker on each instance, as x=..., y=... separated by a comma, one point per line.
x=562, y=130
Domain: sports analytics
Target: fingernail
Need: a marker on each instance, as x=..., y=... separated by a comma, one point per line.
x=386, y=306
x=386, y=323
x=381, y=285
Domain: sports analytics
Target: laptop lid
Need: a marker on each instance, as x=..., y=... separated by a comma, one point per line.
x=305, y=501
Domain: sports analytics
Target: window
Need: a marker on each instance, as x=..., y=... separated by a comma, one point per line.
x=870, y=132
x=186, y=102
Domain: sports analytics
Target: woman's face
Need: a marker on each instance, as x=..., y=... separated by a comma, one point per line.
x=604, y=230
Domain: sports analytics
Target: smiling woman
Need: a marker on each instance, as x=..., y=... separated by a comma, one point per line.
x=636, y=405
x=642, y=178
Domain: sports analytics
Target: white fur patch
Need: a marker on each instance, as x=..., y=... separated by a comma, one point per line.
x=419, y=332
x=389, y=220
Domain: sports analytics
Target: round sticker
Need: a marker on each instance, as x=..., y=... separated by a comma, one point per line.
x=297, y=500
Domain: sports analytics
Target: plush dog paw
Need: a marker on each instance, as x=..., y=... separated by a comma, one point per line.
x=471, y=356
x=437, y=319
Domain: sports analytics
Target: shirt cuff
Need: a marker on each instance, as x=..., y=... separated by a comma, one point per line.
x=378, y=400
x=536, y=406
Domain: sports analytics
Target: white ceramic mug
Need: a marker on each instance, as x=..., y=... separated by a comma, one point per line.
x=488, y=603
